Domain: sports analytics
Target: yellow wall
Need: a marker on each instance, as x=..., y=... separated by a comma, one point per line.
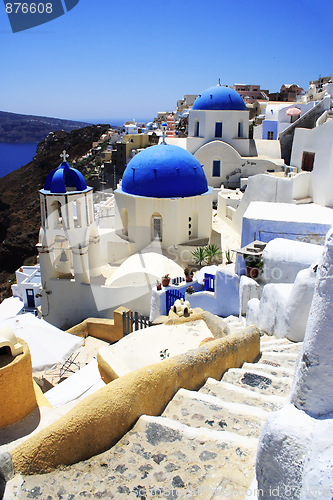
x=109, y=330
x=18, y=397
x=100, y=420
x=139, y=141
x=106, y=156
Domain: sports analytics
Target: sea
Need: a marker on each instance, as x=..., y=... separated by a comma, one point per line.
x=14, y=156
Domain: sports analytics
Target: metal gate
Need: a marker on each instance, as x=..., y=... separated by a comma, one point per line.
x=134, y=321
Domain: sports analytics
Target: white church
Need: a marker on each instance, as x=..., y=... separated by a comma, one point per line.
x=162, y=209
x=218, y=136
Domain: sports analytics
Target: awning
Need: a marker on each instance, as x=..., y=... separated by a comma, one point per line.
x=293, y=111
x=81, y=384
x=10, y=307
x=48, y=345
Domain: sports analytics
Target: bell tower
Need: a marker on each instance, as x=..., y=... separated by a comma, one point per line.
x=68, y=240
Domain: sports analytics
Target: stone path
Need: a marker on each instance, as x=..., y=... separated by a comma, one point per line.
x=203, y=446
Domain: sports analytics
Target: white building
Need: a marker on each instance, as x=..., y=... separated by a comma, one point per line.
x=218, y=137
x=279, y=116
x=313, y=152
x=26, y=288
x=308, y=184
x=164, y=196
x=163, y=206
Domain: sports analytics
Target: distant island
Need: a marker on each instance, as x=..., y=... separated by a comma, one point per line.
x=17, y=128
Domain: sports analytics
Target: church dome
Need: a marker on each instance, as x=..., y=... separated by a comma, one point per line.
x=63, y=179
x=164, y=171
x=219, y=98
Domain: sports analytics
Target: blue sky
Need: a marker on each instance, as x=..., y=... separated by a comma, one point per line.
x=111, y=59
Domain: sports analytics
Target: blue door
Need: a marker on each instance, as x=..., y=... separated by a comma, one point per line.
x=30, y=298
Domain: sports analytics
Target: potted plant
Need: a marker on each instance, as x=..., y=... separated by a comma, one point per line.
x=228, y=257
x=158, y=285
x=254, y=264
x=188, y=274
x=166, y=280
x=190, y=290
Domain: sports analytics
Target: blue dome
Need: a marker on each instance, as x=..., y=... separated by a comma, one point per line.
x=164, y=171
x=65, y=177
x=220, y=98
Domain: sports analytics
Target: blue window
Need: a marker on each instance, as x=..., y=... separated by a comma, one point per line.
x=218, y=129
x=240, y=129
x=196, y=133
x=216, y=168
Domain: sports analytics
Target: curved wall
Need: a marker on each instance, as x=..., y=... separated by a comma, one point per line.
x=99, y=421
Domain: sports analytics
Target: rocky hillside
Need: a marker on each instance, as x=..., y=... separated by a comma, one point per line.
x=19, y=198
x=29, y=128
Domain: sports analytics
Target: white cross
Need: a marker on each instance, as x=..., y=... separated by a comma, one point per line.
x=163, y=135
x=64, y=155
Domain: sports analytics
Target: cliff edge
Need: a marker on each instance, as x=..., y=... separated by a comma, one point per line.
x=19, y=199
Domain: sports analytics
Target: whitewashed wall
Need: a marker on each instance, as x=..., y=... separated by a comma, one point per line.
x=319, y=141
x=175, y=215
x=70, y=302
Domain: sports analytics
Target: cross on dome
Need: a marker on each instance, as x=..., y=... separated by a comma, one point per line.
x=164, y=126
x=64, y=155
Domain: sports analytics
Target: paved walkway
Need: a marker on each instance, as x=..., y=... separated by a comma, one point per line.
x=203, y=446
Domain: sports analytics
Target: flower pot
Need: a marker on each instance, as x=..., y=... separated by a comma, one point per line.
x=189, y=278
x=165, y=281
x=159, y=287
x=252, y=272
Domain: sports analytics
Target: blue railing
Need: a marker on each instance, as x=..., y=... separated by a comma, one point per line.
x=177, y=281
x=171, y=297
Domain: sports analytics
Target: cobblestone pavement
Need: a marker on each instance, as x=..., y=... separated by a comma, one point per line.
x=151, y=461
x=203, y=446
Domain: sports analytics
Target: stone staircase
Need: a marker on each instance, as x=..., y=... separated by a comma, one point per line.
x=202, y=446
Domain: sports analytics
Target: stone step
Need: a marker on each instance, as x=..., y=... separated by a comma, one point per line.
x=271, y=339
x=303, y=201
x=158, y=458
x=278, y=371
x=202, y=410
x=292, y=347
x=278, y=359
x=245, y=396
x=257, y=381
